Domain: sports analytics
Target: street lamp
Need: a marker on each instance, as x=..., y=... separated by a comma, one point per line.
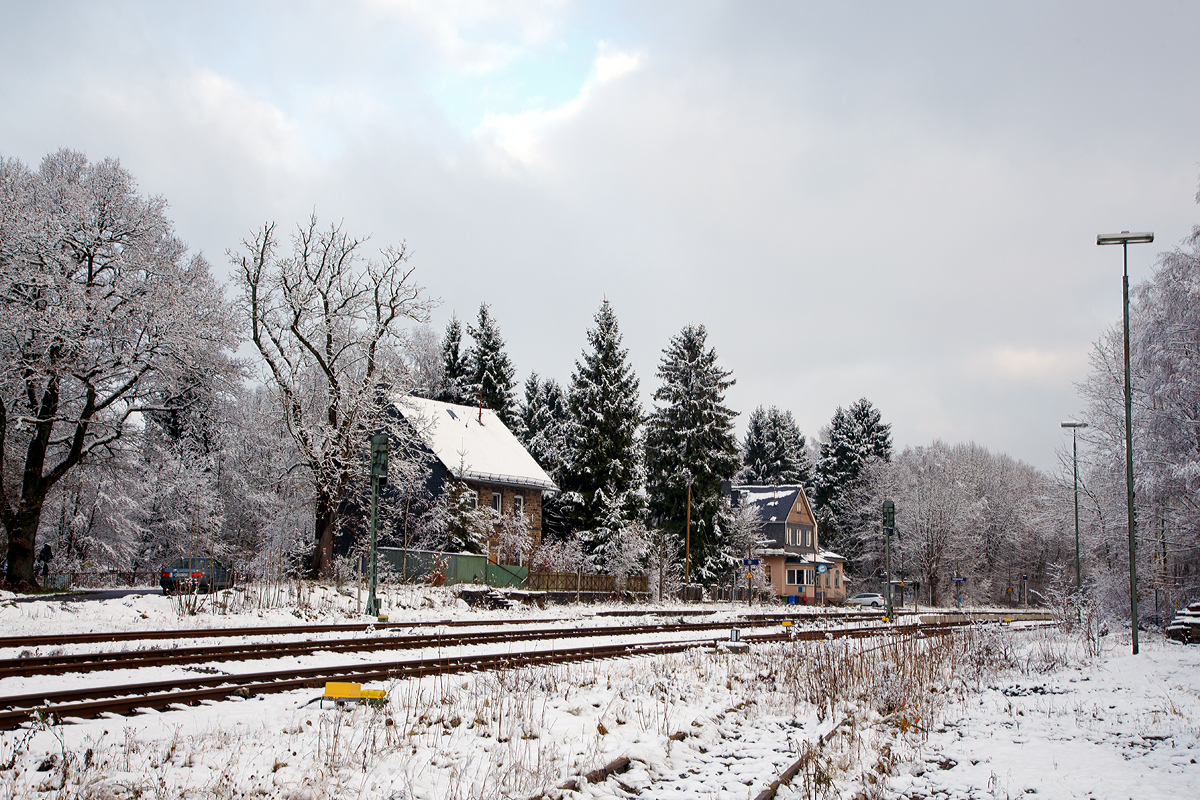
x=1075, y=426
x=1125, y=238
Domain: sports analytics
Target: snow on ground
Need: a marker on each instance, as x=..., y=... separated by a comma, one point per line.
x=1124, y=726
x=988, y=714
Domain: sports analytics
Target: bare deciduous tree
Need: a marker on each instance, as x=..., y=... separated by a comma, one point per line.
x=323, y=318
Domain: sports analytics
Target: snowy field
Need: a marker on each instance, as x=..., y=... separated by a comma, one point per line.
x=1000, y=712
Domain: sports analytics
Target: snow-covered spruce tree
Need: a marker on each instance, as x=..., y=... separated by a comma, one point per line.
x=856, y=436
x=320, y=318
x=605, y=469
x=544, y=427
x=455, y=377
x=774, y=452
x=467, y=524
x=102, y=313
x=619, y=544
x=689, y=437
x=543, y=424
x=489, y=370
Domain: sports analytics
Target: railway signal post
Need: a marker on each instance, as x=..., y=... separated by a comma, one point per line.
x=889, y=525
x=379, y=459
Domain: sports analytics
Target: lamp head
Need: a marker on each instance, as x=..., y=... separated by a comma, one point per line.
x=1073, y=424
x=1125, y=237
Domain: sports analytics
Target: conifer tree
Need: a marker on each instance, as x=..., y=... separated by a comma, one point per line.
x=690, y=437
x=544, y=427
x=855, y=437
x=466, y=522
x=490, y=372
x=542, y=424
x=454, y=365
x=605, y=469
x=774, y=453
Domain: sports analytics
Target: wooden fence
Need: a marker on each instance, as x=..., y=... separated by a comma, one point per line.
x=583, y=582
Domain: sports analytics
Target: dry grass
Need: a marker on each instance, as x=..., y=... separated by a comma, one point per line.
x=518, y=732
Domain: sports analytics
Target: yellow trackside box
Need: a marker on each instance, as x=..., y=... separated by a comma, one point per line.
x=340, y=692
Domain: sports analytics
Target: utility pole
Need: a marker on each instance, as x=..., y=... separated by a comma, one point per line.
x=889, y=525
x=379, y=459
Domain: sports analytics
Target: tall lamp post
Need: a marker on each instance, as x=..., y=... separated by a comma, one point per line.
x=1125, y=238
x=1075, y=426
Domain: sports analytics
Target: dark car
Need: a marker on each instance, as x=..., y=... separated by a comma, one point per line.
x=195, y=574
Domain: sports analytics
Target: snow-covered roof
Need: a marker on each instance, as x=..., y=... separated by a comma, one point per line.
x=823, y=557
x=772, y=502
x=480, y=446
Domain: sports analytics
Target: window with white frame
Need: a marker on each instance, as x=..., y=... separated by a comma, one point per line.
x=518, y=505
x=808, y=578
x=837, y=580
x=473, y=499
x=794, y=576
x=496, y=502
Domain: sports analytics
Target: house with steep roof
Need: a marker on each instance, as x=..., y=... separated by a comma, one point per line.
x=472, y=445
x=793, y=563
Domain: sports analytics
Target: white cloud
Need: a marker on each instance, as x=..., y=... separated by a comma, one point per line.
x=504, y=29
x=517, y=137
x=1031, y=365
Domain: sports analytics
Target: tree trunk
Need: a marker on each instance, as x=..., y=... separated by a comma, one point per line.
x=321, y=563
x=20, y=574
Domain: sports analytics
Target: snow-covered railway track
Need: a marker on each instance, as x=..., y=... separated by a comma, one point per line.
x=62, y=639
x=27, y=665
x=95, y=701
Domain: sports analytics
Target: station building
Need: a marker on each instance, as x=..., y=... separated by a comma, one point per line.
x=794, y=567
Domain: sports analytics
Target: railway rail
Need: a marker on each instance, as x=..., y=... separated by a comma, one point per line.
x=26, y=666
x=28, y=641
x=94, y=701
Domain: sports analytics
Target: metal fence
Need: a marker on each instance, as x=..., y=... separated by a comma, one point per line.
x=97, y=579
x=415, y=566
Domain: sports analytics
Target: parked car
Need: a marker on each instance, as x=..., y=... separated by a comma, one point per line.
x=195, y=574
x=867, y=599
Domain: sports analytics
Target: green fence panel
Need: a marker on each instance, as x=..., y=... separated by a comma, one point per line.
x=421, y=566
x=470, y=569
x=507, y=575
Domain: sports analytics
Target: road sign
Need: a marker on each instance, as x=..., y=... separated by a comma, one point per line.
x=959, y=580
x=749, y=576
x=822, y=568
x=749, y=562
x=881, y=575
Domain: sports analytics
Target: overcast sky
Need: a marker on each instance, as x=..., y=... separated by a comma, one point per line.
x=891, y=200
